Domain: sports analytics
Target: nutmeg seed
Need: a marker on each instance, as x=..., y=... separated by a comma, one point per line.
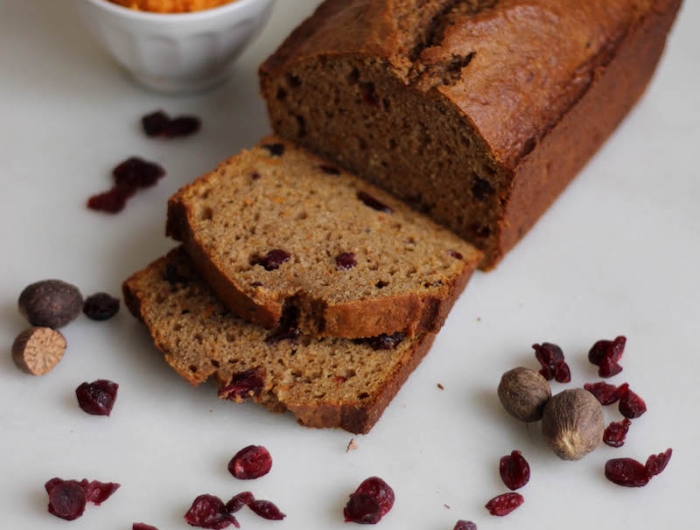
x=37, y=350
x=524, y=393
x=573, y=423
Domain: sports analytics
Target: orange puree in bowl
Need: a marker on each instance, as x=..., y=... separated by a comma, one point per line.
x=170, y=6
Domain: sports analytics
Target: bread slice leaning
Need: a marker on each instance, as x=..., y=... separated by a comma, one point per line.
x=282, y=236
x=324, y=382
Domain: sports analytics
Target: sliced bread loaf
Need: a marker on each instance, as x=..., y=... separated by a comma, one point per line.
x=286, y=239
x=323, y=382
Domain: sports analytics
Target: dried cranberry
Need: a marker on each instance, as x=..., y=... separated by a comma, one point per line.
x=465, y=525
x=606, y=393
x=606, y=354
x=362, y=509
x=455, y=254
x=275, y=149
x=67, y=498
x=208, y=511
x=383, y=341
x=137, y=173
x=371, y=501
x=97, y=397
x=250, y=462
x=369, y=95
x=504, y=504
x=345, y=261
x=182, y=126
x=142, y=526
x=330, y=170
x=551, y=357
x=657, y=463
x=112, y=201
x=626, y=472
x=97, y=492
x=631, y=405
x=238, y=501
x=243, y=385
x=514, y=470
x=155, y=123
x=266, y=510
x=615, y=433
x=272, y=260
x=101, y=306
x=373, y=203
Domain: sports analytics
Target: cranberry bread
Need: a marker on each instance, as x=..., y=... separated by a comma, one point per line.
x=478, y=112
x=282, y=236
x=323, y=382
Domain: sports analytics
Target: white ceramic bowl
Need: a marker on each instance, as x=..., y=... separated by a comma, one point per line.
x=179, y=52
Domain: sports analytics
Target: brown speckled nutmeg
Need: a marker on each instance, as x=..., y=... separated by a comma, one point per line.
x=524, y=393
x=50, y=303
x=573, y=423
x=37, y=350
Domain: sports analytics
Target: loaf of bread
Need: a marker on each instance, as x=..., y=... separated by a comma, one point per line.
x=287, y=240
x=323, y=382
x=478, y=112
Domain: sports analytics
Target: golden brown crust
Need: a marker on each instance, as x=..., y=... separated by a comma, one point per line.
x=325, y=383
x=512, y=71
x=419, y=309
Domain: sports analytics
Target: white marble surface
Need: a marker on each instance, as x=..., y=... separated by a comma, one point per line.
x=619, y=253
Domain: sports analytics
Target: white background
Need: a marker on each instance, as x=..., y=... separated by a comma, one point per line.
x=619, y=253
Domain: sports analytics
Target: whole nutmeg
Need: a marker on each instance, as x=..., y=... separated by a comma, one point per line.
x=573, y=423
x=37, y=350
x=524, y=393
x=50, y=303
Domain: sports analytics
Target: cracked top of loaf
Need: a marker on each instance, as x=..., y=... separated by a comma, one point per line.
x=513, y=67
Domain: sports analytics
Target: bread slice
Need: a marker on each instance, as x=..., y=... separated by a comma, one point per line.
x=324, y=382
x=282, y=236
x=479, y=112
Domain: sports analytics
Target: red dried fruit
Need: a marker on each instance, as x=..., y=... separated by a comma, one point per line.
x=142, y=526
x=383, y=341
x=454, y=254
x=465, y=525
x=272, y=260
x=238, y=501
x=250, y=462
x=606, y=354
x=112, y=201
x=244, y=384
x=135, y=172
x=182, y=126
x=551, y=357
x=615, y=433
x=504, y=504
x=67, y=498
x=266, y=510
x=606, y=393
x=97, y=397
x=371, y=501
x=209, y=511
x=329, y=170
x=362, y=509
x=631, y=405
x=275, y=149
x=657, y=463
x=97, y=492
x=514, y=470
x=373, y=203
x=626, y=472
x=101, y=306
x=155, y=123
x=345, y=261
x=369, y=95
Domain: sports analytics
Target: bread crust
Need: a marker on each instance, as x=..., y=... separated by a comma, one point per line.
x=524, y=76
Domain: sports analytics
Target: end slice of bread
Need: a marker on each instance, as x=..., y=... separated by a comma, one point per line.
x=280, y=234
x=324, y=382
